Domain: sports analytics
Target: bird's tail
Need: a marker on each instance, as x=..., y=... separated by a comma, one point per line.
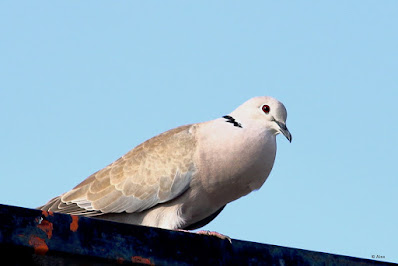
x=57, y=205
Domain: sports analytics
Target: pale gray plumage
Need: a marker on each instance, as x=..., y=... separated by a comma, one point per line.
x=183, y=178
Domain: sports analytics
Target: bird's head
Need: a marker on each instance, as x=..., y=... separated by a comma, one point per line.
x=266, y=112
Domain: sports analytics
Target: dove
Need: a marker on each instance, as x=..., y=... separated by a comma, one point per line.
x=183, y=178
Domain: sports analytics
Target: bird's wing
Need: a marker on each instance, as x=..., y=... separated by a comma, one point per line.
x=156, y=171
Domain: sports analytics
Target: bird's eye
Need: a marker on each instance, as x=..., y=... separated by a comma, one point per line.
x=266, y=108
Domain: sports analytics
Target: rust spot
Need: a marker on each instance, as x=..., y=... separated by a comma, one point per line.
x=139, y=259
x=47, y=227
x=46, y=213
x=75, y=223
x=119, y=260
x=38, y=244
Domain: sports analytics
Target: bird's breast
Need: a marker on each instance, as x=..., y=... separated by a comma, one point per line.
x=233, y=161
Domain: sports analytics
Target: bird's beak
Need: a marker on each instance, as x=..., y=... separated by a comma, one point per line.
x=283, y=129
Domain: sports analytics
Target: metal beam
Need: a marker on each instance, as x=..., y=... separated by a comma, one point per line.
x=29, y=237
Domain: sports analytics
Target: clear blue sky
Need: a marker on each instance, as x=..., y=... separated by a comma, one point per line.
x=81, y=83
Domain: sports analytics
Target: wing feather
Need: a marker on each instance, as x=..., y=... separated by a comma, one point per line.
x=152, y=173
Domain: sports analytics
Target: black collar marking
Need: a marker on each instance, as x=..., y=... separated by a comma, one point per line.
x=232, y=120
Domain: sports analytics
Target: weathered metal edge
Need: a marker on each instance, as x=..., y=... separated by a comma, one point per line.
x=39, y=237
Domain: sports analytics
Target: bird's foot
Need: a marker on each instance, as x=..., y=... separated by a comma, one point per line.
x=216, y=234
x=182, y=230
x=208, y=233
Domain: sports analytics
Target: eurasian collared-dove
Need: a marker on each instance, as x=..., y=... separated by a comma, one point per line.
x=184, y=177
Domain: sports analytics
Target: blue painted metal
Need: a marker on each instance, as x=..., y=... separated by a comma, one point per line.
x=29, y=237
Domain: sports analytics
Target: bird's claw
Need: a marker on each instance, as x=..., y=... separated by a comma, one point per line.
x=216, y=234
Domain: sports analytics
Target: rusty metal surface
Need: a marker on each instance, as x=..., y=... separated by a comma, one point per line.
x=34, y=237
